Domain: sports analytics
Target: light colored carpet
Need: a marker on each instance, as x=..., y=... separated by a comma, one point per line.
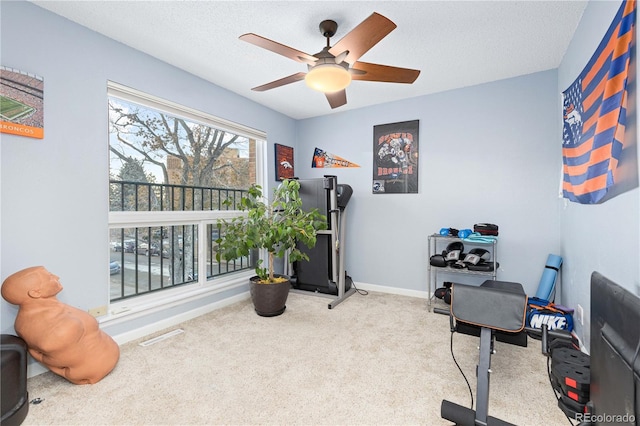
x=378, y=359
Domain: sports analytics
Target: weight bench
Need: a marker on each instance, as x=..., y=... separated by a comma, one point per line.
x=495, y=310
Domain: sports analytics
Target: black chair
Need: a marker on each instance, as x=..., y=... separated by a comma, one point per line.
x=15, y=399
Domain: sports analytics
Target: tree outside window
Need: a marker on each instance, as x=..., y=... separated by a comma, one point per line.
x=165, y=162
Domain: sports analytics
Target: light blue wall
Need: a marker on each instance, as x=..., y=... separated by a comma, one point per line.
x=488, y=153
x=54, y=191
x=602, y=237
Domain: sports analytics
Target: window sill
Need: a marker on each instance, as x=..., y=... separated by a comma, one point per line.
x=127, y=310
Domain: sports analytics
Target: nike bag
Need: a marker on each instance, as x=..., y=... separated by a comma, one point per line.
x=556, y=317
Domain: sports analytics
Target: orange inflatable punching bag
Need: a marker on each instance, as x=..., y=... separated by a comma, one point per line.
x=65, y=339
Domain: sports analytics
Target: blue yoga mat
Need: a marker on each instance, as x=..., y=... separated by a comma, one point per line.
x=549, y=277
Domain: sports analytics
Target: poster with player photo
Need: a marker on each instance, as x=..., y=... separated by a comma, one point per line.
x=395, y=158
x=284, y=162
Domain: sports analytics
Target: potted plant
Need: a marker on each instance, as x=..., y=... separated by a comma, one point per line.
x=276, y=226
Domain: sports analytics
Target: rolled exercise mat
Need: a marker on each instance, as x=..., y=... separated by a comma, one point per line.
x=549, y=276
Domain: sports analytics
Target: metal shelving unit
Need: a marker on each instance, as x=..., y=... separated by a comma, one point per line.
x=436, y=241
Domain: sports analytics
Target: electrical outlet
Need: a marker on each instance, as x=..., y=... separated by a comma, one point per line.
x=99, y=311
x=580, y=314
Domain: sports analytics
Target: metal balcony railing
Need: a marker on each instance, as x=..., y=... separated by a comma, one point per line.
x=144, y=196
x=146, y=259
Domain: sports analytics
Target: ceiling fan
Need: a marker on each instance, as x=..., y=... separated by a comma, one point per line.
x=331, y=70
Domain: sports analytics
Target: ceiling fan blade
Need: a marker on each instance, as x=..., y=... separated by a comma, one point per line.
x=337, y=99
x=281, y=82
x=376, y=72
x=278, y=48
x=363, y=37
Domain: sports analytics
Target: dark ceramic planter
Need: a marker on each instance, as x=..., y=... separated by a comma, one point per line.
x=269, y=299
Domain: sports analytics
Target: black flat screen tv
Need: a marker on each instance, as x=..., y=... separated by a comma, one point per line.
x=615, y=362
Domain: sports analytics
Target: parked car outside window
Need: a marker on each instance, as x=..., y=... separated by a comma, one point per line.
x=114, y=267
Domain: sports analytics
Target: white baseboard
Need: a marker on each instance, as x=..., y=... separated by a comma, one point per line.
x=177, y=319
x=35, y=369
x=392, y=290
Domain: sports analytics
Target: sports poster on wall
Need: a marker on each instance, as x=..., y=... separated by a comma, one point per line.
x=395, y=158
x=21, y=103
x=284, y=162
x=325, y=160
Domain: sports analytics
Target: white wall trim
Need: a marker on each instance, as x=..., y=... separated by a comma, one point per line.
x=130, y=309
x=392, y=290
x=141, y=332
x=35, y=369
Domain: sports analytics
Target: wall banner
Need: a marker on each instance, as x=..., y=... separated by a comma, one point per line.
x=324, y=160
x=595, y=114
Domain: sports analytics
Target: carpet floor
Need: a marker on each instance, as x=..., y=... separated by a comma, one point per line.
x=376, y=359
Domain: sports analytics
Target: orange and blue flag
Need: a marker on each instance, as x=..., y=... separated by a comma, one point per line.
x=595, y=113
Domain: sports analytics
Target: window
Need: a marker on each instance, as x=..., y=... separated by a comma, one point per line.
x=171, y=170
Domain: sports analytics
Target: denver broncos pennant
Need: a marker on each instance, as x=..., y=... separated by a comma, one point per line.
x=323, y=159
x=594, y=113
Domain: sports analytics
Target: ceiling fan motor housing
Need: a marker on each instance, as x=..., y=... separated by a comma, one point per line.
x=325, y=57
x=328, y=28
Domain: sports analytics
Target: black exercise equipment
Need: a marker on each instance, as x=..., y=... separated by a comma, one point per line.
x=324, y=272
x=482, y=266
x=614, y=353
x=444, y=292
x=495, y=310
x=485, y=228
x=568, y=369
x=453, y=256
x=15, y=399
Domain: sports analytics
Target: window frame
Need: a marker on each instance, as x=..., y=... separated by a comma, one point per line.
x=160, y=300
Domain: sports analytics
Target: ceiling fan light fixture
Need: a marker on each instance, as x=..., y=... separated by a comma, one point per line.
x=328, y=78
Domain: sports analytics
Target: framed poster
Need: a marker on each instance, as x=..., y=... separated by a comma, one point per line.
x=21, y=103
x=395, y=158
x=284, y=162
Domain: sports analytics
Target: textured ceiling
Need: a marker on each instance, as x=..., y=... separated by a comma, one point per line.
x=454, y=43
